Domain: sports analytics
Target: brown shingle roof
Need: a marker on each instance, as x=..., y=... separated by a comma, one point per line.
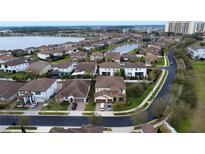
x=99, y=54
x=86, y=66
x=6, y=58
x=135, y=65
x=38, y=85
x=9, y=88
x=63, y=65
x=113, y=55
x=109, y=65
x=75, y=88
x=113, y=82
x=38, y=66
x=15, y=62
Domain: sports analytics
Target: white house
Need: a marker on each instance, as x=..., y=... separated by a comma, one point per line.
x=109, y=68
x=67, y=67
x=37, y=91
x=17, y=65
x=196, y=52
x=137, y=69
x=45, y=54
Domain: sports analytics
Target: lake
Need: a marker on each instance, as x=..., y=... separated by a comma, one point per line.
x=126, y=48
x=22, y=42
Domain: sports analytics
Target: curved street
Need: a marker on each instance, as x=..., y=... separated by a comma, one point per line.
x=105, y=121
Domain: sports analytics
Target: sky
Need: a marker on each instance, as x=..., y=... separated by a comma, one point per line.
x=77, y=23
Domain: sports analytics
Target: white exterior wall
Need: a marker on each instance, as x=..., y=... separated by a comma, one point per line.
x=17, y=68
x=131, y=71
x=43, y=56
x=65, y=70
x=108, y=89
x=45, y=70
x=112, y=71
x=196, y=53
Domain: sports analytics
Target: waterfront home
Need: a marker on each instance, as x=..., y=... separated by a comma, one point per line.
x=15, y=65
x=64, y=68
x=50, y=54
x=85, y=68
x=78, y=56
x=39, y=67
x=5, y=53
x=97, y=56
x=37, y=91
x=74, y=91
x=112, y=57
x=8, y=90
x=109, y=68
x=109, y=89
x=137, y=69
x=129, y=57
x=196, y=51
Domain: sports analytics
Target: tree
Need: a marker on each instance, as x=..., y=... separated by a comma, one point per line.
x=140, y=118
x=158, y=107
x=23, y=121
x=202, y=44
x=94, y=119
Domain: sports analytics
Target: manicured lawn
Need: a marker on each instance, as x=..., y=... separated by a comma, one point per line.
x=90, y=106
x=160, y=61
x=52, y=113
x=195, y=122
x=56, y=106
x=60, y=61
x=136, y=93
x=11, y=112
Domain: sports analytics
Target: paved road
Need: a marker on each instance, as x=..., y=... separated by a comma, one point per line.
x=105, y=121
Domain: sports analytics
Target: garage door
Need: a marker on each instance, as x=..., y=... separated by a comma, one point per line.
x=100, y=100
x=109, y=100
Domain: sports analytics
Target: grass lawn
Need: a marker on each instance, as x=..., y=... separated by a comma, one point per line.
x=133, y=99
x=52, y=113
x=195, y=122
x=19, y=127
x=60, y=61
x=160, y=61
x=11, y=112
x=55, y=106
x=90, y=106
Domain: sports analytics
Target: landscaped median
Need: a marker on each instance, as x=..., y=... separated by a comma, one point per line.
x=12, y=112
x=148, y=99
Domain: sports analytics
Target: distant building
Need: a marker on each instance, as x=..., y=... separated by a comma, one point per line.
x=196, y=51
x=185, y=27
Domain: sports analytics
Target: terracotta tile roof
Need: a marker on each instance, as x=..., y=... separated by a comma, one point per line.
x=40, y=85
x=75, y=88
x=135, y=65
x=109, y=65
x=86, y=66
x=113, y=82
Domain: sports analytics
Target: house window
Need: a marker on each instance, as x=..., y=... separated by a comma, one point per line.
x=37, y=92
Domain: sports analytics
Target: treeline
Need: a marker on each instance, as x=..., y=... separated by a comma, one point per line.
x=182, y=92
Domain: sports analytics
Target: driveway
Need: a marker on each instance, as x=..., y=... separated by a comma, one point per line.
x=80, y=107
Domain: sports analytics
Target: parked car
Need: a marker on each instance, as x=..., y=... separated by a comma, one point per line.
x=109, y=107
x=102, y=106
x=74, y=106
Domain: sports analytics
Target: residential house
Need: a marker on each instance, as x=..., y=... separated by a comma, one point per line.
x=137, y=69
x=96, y=56
x=128, y=57
x=37, y=91
x=50, y=53
x=39, y=67
x=8, y=90
x=78, y=56
x=112, y=57
x=74, y=91
x=64, y=68
x=150, y=59
x=5, y=53
x=109, y=68
x=85, y=68
x=109, y=89
x=196, y=51
x=15, y=65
